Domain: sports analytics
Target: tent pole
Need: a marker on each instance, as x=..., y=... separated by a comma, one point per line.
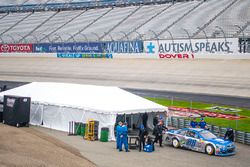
x=132, y=122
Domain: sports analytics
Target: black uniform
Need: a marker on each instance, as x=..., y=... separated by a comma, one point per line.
x=158, y=130
x=142, y=136
x=155, y=121
x=229, y=134
x=145, y=120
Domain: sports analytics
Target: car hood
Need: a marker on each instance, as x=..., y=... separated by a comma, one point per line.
x=219, y=141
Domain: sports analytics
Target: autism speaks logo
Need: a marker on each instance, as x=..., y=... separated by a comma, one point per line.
x=150, y=48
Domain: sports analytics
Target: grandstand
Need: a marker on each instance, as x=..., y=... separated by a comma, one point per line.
x=41, y=21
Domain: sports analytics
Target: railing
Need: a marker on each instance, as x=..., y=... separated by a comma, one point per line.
x=240, y=137
x=76, y=5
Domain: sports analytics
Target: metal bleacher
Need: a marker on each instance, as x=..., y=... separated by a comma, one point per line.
x=162, y=20
x=197, y=18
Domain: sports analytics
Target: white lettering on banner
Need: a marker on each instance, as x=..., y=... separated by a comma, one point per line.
x=183, y=49
x=15, y=48
x=123, y=47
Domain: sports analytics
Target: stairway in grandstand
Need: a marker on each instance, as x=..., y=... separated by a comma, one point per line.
x=30, y=34
x=8, y=29
x=3, y=16
x=67, y=22
x=121, y=21
x=90, y=24
x=180, y=18
x=214, y=18
x=148, y=20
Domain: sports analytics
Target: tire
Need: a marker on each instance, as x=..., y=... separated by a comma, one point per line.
x=209, y=149
x=176, y=143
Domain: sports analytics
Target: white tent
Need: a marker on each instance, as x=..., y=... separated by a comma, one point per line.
x=55, y=104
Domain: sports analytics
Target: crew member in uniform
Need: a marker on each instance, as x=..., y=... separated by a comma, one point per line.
x=124, y=137
x=193, y=123
x=118, y=133
x=142, y=137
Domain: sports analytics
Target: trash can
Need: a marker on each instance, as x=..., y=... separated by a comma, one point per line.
x=104, y=134
x=78, y=126
x=82, y=133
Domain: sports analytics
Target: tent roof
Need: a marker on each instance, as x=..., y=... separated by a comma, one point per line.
x=101, y=99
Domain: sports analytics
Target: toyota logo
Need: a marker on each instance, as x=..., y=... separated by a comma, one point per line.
x=5, y=48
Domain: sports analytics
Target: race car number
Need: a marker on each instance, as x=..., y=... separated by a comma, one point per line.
x=191, y=142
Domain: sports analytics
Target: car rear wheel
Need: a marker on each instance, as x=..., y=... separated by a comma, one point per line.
x=209, y=149
x=176, y=143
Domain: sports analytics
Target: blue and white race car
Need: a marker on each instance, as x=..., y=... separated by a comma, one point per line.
x=200, y=140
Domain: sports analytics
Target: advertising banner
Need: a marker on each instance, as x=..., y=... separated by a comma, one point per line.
x=84, y=55
x=92, y=47
x=190, y=49
x=10, y=48
x=123, y=47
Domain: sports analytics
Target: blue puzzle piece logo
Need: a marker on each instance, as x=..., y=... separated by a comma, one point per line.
x=151, y=48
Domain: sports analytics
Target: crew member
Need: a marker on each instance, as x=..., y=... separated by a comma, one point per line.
x=203, y=124
x=193, y=123
x=118, y=134
x=156, y=120
x=142, y=137
x=145, y=120
x=124, y=137
x=229, y=134
x=158, y=132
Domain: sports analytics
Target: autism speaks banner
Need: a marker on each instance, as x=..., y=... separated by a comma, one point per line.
x=190, y=48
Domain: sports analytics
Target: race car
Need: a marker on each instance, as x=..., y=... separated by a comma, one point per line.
x=200, y=140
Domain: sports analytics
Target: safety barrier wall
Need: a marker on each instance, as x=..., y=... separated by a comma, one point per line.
x=240, y=137
x=218, y=48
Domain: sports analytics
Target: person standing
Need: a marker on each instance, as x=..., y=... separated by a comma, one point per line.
x=156, y=120
x=124, y=137
x=145, y=120
x=158, y=133
x=118, y=134
x=229, y=134
x=193, y=123
x=203, y=124
x=142, y=137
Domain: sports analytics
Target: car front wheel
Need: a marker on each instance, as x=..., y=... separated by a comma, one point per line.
x=209, y=149
x=176, y=143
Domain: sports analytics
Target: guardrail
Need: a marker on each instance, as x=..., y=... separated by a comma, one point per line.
x=240, y=137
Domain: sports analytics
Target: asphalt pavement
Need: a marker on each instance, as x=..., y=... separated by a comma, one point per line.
x=104, y=154
x=213, y=99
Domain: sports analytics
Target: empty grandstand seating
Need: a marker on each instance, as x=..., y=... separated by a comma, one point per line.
x=167, y=20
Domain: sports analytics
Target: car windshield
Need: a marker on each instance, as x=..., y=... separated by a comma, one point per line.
x=207, y=135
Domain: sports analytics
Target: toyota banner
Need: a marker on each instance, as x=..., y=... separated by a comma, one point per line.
x=8, y=48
